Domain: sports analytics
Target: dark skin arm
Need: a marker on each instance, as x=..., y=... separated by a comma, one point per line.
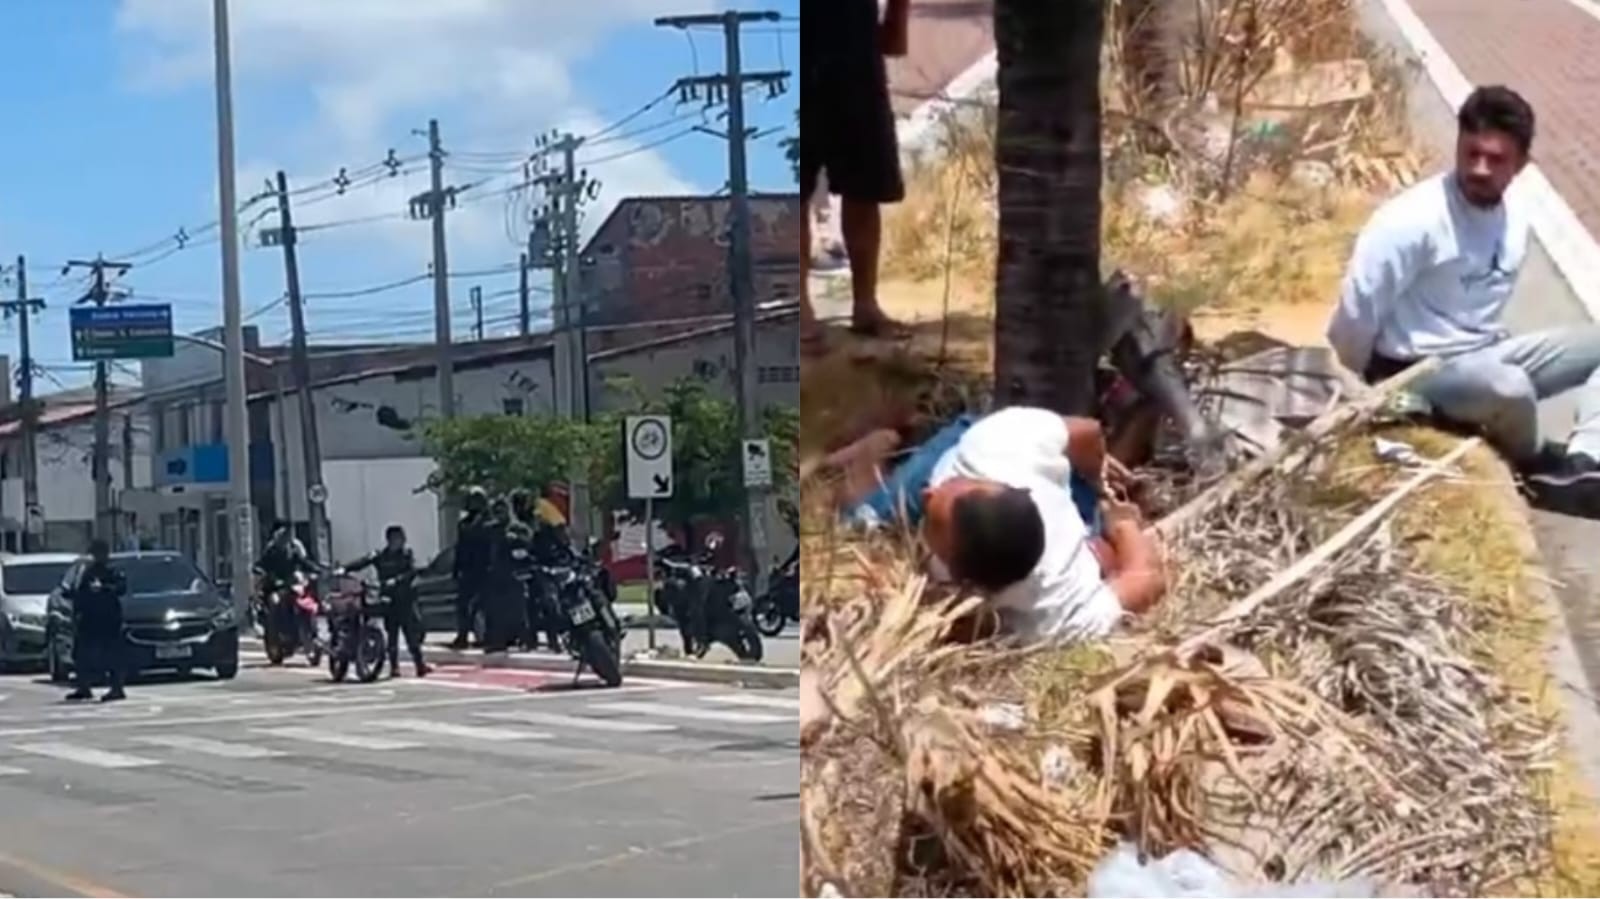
x=1139, y=576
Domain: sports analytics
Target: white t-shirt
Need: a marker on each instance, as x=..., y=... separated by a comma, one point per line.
x=1430, y=275
x=1064, y=598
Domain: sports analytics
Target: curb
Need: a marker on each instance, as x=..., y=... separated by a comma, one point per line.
x=25, y=879
x=698, y=672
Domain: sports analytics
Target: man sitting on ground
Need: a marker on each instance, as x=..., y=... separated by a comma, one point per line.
x=1431, y=275
x=1010, y=504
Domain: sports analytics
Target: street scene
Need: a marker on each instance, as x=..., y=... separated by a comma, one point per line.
x=399, y=480
x=1200, y=449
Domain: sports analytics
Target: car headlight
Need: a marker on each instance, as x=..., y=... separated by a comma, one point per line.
x=224, y=618
x=26, y=620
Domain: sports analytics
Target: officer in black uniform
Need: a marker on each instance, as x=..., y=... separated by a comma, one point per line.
x=471, y=563
x=396, y=566
x=97, y=640
x=535, y=535
x=501, y=596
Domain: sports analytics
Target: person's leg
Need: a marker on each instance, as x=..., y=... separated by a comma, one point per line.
x=1481, y=389
x=83, y=661
x=391, y=629
x=811, y=336
x=112, y=661
x=1560, y=359
x=464, y=597
x=411, y=623
x=899, y=496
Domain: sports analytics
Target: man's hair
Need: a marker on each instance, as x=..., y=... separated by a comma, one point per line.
x=1498, y=108
x=998, y=536
x=394, y=530
x=99, y=547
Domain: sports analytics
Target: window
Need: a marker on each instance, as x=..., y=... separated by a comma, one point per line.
x=512, y=405
x=778, y=374
x=33, y=578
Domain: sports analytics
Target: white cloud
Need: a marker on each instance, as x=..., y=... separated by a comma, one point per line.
x=372, y=70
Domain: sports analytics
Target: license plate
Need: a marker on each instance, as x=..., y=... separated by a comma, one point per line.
x=741, y=601
x=179, y=651
x=581, y=614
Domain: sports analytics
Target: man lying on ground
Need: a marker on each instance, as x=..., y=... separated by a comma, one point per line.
x=1010, y=504
x=1431, y=275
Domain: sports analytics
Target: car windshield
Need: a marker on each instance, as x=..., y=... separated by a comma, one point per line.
x=160, y=574
x=32, y=578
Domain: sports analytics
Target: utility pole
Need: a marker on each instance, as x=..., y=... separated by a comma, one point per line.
x=100, y=294
x=300, y=370
x=23, y=307
x=127, y=470
x=477, y=310
x=554, y=243
x=432, y=205
x=731, y=87
x=238, y=420
x=524, y=315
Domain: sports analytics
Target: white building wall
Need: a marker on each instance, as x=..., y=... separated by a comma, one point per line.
x=66, y=481
x=365, y=497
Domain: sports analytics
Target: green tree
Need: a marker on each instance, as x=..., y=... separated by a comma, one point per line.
x=505, y=452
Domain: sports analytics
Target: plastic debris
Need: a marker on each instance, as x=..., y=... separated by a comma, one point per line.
x=1008, y=716
x=1189, y=874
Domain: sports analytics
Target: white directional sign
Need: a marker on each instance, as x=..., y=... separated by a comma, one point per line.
x=647, y=441
x=757, y=455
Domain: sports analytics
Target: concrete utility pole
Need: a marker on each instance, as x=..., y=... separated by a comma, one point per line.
x=100, y=294
x=23, y=307
x=555, y=243
x=524, y=314
x=432, y=205
x=300, y=368
x=741, y=274
x=238, y=430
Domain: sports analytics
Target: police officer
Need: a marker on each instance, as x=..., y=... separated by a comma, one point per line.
x=97, y=625
x=396, y=566
x=501, y=589
x=471, y=562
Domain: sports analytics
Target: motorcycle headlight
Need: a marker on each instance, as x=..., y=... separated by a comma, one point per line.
x=694, y=571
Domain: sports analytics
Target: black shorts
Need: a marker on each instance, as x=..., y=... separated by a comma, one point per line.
x=846, y=121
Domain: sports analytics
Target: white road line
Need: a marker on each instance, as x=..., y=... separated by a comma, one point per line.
x=8, y=771
x=334, y=738
x=781, y=703
x=551, y=719
x=209, y=747
x=667, y=710
x=86, y=755
x=469, y=731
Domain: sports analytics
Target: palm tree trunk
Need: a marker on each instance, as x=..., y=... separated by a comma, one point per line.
x=1048, y=312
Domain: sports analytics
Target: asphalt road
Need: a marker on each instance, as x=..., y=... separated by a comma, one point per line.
x=471, y=782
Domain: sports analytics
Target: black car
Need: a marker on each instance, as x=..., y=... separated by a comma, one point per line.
x=173, y=618
x=436, y=596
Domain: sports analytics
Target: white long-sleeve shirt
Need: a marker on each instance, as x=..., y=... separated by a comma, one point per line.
x=1430, y=276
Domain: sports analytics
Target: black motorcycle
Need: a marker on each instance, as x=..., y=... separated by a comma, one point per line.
x=781, y=603
x=286, y=614
x=582, y=616
x=356, y=636
x=709, y=603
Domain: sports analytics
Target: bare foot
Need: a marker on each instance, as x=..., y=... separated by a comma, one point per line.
x=876, y=323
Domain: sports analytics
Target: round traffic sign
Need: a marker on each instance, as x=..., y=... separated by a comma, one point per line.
x=317, y=493
x=649, y=439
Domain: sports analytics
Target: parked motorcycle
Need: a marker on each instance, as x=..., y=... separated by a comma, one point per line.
x=584, y=622
x=355, y=632
x=718, y=593
x=287, y=614
x=781, y=603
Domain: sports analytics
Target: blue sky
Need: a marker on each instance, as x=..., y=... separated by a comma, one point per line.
x=112, y=145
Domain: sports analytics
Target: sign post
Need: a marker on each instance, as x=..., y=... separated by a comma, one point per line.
x=647, y=445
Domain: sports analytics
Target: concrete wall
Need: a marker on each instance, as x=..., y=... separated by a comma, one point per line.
x=66, y=481
x=364, y=497
x=709, y=358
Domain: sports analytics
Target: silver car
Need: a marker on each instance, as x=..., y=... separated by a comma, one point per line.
x=26, y=582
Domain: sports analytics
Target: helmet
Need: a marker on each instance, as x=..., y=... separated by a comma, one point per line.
x=476, y=499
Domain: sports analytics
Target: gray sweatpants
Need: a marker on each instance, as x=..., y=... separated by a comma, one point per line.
x=1499, y=388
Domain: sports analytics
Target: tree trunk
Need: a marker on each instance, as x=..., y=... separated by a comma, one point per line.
x=1048, y=313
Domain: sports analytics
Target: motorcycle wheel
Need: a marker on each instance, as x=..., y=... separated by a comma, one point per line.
x=769, y=617
x=308, y=639
x=747, y=641
x=371, y=650
x=595, y=651
x=270, y=644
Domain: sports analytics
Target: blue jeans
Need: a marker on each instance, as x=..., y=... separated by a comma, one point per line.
x=899, y=497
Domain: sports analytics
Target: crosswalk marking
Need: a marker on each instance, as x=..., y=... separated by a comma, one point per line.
x=210, y=747
x=667, y=710
x=469, y=731
x=87, y=755
x=781, y=703
x=334, y=738
x=552, y=719
x=7, y=771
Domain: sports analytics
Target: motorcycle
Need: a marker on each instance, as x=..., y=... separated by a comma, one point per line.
x=584, y=620
x=781, y=603
x=725, y=606
x=287, y=614
x=356, y=636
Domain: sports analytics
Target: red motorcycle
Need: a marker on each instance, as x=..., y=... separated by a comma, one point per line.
x=287, y=615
